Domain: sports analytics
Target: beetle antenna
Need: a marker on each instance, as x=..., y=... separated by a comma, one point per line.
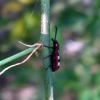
x=55, y=32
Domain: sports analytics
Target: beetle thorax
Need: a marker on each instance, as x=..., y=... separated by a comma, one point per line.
x=56, y=46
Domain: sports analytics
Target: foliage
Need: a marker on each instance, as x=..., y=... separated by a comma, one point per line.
x=78, y=24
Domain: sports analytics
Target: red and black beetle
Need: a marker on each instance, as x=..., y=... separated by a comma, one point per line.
x=54, y=57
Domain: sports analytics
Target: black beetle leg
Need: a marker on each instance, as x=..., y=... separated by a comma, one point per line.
x=48, y=67
x=48, y=47
x=47, y=56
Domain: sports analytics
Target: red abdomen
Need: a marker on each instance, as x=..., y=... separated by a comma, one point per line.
x=55, y=60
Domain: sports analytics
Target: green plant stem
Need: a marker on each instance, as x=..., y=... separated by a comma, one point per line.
x=45, y=39
x=16, y=56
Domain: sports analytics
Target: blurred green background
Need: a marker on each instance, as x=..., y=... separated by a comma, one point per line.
x=78, y=23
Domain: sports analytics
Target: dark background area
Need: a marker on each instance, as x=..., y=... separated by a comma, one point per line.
x=78, y=23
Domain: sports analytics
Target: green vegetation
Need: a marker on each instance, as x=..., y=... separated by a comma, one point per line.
x=78, y=23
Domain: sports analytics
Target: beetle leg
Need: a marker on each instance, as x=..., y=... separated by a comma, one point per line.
x=47, y=56
x=48, y=67
x=48, y=47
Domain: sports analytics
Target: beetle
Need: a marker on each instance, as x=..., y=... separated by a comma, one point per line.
x=54, y=56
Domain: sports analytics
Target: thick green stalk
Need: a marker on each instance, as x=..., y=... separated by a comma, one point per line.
x=45, y=39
